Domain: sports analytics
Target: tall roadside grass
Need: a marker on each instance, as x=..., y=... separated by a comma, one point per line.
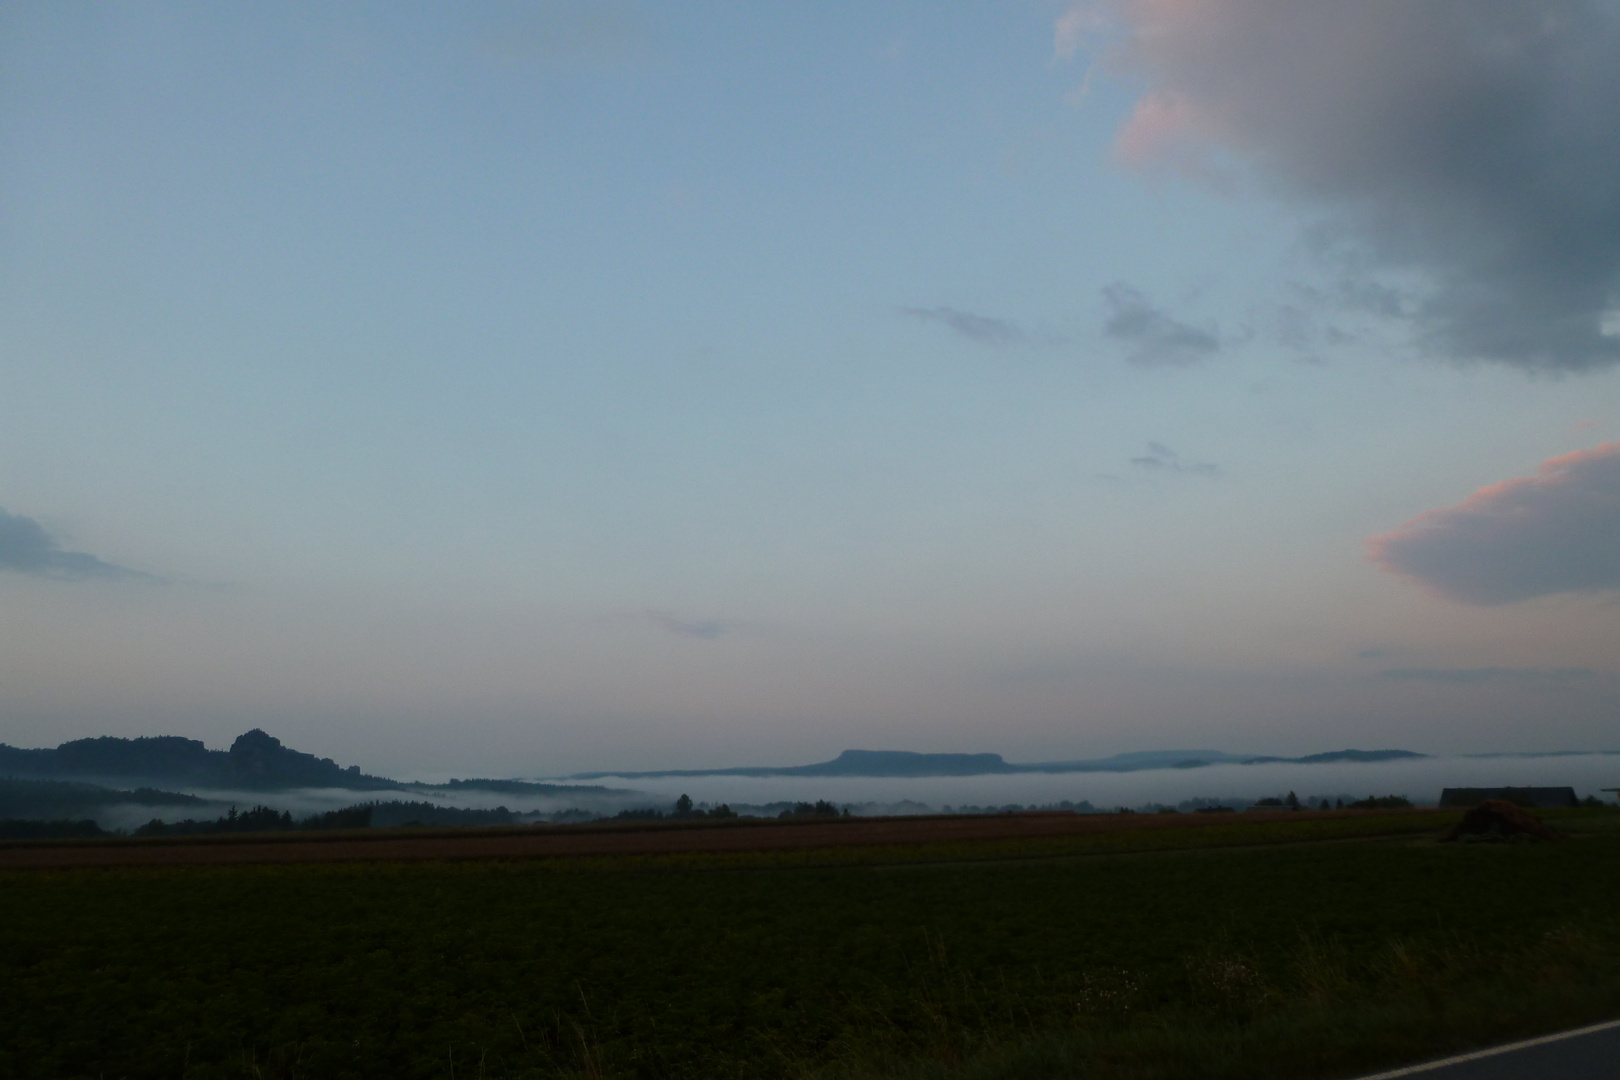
x=1319, y=1011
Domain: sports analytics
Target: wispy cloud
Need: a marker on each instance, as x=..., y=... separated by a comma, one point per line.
x=980, y=328
x=572, y=31
x=1473, y=676
x=1316, y=319
x=1551, y=533
x=701, y=629
x=1156, y=339
x=1160, y=458
x=26, y=548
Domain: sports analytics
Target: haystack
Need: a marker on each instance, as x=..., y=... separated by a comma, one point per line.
x=1499, y=820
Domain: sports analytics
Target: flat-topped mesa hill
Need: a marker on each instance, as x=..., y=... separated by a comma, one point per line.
x=908, y=763
x=255, y=760
x=903, y=763
x=869, y=763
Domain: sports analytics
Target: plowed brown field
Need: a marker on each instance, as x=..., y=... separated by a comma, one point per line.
x=532, y=842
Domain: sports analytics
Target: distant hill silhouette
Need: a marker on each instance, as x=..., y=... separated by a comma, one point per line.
x=72, y=799
x=1339, y=755
x=255, y=760
x=515, y=787
x=850, y=763
x=258, y=761
x=78, y=774
x=904, y=763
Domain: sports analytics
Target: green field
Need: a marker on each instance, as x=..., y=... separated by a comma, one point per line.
x=1238, y=950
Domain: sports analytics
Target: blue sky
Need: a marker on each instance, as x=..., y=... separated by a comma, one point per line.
x=536, y=387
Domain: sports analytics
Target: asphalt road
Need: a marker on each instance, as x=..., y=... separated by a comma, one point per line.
x=1591, y=1053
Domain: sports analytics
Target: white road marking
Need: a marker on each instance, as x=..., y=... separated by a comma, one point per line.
x=1413, y=1070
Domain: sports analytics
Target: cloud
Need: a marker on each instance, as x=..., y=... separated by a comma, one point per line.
x=26, y=548
x=1551, y=533
x=981, y=328
x=1158, y=340
x=702, y=629
x=1472, y=142
x=1072, y=29
x=1472, y=676
x=1160, y=458
x=576, y=30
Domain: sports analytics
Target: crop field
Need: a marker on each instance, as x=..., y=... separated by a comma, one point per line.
x=1308, y=946
x=906, y=839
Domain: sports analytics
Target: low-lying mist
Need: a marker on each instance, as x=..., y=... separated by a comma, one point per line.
x=1420, y=780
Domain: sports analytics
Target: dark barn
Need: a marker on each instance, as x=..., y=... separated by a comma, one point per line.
x=1545, y=797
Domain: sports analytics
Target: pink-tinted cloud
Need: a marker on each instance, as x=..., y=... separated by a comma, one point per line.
x=1555, y=532
x=1473, y=141
x=1157, y=124
x=1072, y=28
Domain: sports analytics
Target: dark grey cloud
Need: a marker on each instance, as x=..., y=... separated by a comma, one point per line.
x=702, y=629
x=1474, y=142
x=1315, y=319
x=26, y=548
x=980, y=328
x=1555, y=532
x=1473, y=676
x=1156, y=339
x=1160, y=458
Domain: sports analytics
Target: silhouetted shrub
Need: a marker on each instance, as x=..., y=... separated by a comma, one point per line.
x=258, y=819
x=396, y=813
x=350, y=817
x=1382, y=802
x=49, y=830
x=819, y=808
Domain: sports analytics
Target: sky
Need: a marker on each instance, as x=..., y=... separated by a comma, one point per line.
x=526, y=388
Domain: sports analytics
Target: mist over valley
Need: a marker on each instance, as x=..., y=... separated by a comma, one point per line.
x=125, y=784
